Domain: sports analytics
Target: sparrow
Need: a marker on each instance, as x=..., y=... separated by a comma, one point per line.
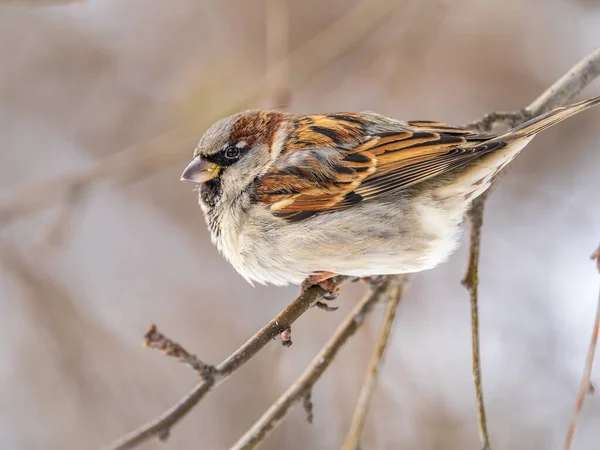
x=301, y=198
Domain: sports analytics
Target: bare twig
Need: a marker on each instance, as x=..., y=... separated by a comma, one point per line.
x=563, y=90
x=470, y=281
x=155, y=339
x=390, y=288
x=166, y=421
x=586, y=386
x=366, y=393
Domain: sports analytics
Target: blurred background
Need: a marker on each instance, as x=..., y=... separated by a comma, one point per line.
x=101, y=105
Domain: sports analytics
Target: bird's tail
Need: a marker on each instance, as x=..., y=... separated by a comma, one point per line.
x=474, y=181
x=544, y=121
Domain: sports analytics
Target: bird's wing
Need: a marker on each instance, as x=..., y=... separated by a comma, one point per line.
x=339, y=160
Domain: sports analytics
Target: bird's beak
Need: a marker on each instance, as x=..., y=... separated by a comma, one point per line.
x=200, y=171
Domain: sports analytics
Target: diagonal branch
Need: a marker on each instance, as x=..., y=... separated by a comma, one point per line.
x=390, y=288
x=212, y=378
x=562, y=91
x=155, y=339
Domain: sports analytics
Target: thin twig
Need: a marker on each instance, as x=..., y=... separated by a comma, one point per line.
x=585, y=385
x=563, y=90
x=390, y=287
x=368, y=388
x=470, y=281
x=155, y=339
x=162, y=424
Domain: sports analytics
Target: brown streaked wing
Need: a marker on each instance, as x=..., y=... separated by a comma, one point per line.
x=319, y=180
x=315, y=179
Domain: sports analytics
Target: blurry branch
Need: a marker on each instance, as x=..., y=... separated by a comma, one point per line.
x=158, y=153
x=562, y=91
x=278, y=37
x=391, y=290
x=366, y=393
x=216, y=375
x=586, y=386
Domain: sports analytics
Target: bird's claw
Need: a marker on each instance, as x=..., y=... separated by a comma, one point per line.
x=325, y=307
x=323, y=280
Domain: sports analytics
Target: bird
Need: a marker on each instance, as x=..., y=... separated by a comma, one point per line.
x=300, y=199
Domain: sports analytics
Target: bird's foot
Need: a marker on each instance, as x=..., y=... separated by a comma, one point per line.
x=323, y=280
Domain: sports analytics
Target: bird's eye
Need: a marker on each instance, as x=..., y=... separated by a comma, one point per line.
x=232, y=152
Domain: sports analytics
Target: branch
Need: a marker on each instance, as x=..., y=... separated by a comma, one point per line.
x=212, y=378
x=562, y=91
x=155, y=339
x=390, y=288
x=366, y=393
x=586, y=386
